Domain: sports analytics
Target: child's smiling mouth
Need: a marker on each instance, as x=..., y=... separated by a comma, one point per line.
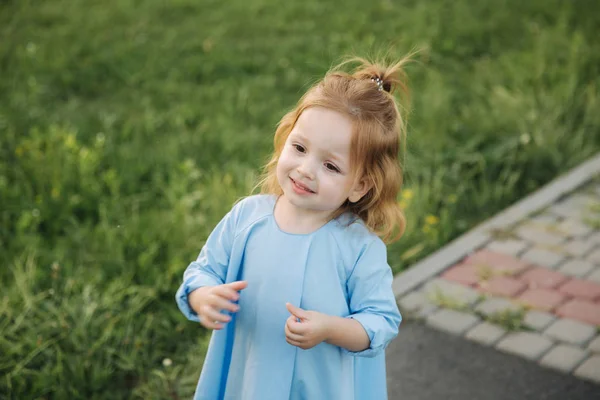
x=300, y=188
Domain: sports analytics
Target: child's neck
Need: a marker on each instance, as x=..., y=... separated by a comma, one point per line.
x=296, y=220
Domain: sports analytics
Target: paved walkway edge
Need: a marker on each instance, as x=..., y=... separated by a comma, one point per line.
x=457, y=249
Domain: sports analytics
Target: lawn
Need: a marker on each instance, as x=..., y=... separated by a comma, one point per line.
x=128, y=128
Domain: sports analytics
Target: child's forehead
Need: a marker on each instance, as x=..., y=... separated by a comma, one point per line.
x=327, y=132
x=324, y=120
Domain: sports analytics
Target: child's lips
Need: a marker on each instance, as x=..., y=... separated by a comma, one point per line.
x=301, y=186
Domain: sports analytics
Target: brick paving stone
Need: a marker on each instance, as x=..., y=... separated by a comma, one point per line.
x=538, y=320
x=497, y=262
x=495, y=305
x=452, y=321
x=580, y=310
x=578, y=247
x=442, y=290
x=462, y=273
x=525, y=344
x=565, y=210
x=570, y=331
x=539, y=235
x=579, y=201
x=425, y=311
x=543, y=257
x=486, y=333
x=542, y=278
x=582, y=198
x=542, y=299
x=594, y=257
x=576, y=267
x=544, y=218
x=594, y=276
x=594, y=345
x=509, y=246
x=416, y=303
x=574, y=228
x=564, y=357
x=595, y=238
x=590, y=369
x=588, y=198
x=503, y=286
x=582, y=289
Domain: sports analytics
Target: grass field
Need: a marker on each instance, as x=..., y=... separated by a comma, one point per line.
x=128, y=128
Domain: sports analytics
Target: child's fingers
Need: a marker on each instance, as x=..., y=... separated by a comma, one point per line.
x=220, y=303
x=293, y=336
x=298, y=312
x=210, y=314
x=294, y=326
x=227, y=292
x=238, y=285
x=293, y=342
x=211, y=325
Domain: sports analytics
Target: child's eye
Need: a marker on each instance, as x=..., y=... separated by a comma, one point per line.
x=299, y=148
x=331, y=167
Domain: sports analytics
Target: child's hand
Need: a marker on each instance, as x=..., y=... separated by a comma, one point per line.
x=312, y=329
x=208, y=302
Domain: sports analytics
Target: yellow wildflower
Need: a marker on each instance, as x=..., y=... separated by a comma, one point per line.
x=431, y=220
x=70, y=141
x=407, y=194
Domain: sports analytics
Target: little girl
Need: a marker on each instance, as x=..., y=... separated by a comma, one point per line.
x=295, y=282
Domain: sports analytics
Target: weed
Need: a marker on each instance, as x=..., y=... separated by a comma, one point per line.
x=509, y=319
x=446, y=300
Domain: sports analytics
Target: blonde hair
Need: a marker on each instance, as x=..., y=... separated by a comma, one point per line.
x=379, y=132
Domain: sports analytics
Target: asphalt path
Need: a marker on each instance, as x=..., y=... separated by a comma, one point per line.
x=426, y=364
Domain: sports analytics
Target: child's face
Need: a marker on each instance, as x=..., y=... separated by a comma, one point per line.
x=314, y=168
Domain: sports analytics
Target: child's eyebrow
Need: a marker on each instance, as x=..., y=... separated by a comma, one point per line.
x=301, y=137
x=337, y=158
x=331, y=155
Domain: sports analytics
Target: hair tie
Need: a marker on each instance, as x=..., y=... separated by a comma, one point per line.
x=379, y=83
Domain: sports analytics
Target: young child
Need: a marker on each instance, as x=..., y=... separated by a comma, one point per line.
x=295, y=282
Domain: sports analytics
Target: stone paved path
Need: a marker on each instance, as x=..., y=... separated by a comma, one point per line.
x=526, y=283
x=426, y=364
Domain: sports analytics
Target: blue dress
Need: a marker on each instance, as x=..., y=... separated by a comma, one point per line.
x=340, y=269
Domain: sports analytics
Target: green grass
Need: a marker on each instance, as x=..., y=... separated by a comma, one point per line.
x=128, y=128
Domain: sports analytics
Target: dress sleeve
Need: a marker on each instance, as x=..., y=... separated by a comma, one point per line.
x=210, y=268
x=372, y=301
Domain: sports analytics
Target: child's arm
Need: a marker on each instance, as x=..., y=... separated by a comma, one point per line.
x=210, y=268
x=374, y=317
x=347, y=333
x=208, y=301
x=306, y=329
x=372, y=301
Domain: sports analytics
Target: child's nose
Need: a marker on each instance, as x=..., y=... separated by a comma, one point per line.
x=306, y=169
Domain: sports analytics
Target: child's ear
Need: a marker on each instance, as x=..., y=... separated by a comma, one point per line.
x=360, y=189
